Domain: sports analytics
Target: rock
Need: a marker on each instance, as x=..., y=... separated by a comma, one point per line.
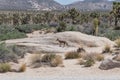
x=36, y=65
x=47, y=42
x=117, y=57
x=109, y=64
x=14, y=67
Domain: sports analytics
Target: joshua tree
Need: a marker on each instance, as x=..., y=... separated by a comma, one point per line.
x=16, y=18
x=62, y=26
x=96, y=23
x=73, y=14
x=116, y=13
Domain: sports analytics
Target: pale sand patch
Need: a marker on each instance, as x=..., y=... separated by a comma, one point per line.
x=71, y=69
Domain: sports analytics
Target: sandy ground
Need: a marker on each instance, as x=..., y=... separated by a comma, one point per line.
x=71, y=71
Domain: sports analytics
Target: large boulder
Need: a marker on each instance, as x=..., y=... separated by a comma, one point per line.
x=109, y=64
x=48, y=43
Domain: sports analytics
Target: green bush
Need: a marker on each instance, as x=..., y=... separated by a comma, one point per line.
x=6, y=54
x=12, y=35
x=112, y=34
x=28, y=28
x=9, y=32
x=4, y=67
x=5, y=29
x=89, y=63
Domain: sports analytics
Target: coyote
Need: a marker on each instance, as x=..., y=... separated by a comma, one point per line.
x=62, y=42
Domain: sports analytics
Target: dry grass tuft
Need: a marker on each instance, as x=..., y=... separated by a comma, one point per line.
x=72, y=55
x=34, y=58
x=94, y=56
x=56, y=61
x=4, y=67
x=22, y=68
x=89, y=63
x=48, y=57
x=107, y=49
x=52, y=59
x=118, y=42
x=99, y=57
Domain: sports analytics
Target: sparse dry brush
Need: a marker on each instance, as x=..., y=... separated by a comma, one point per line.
x=34, y=58
x=99, y=57
x=72, y=55
x=75, y=54
x=89, y=60
x=57, y=61
x=52, y=59
x=94, y=56
x=38, y=60
x=22, y=68
x=107, y=49
x=118, y=42
x=4, y=67
x=48, y=57
x=88, y=63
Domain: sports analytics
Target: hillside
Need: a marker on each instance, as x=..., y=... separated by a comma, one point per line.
x=29, y=5
x=91, y=5
x=49, y=5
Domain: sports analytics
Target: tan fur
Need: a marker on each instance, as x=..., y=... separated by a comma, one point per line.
x=62, y=42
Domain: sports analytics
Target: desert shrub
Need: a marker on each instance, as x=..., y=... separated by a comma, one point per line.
x=52, y=59
x=9, y=32
x=94, y=56
x=62, y=26
x=11, y=53
x=12, y=35
x=28, y=28
x=4, y=67
x=112, y=34
x=35, y=58
x=48, y=57
x=22, y=68
x=6, y=54
x=107, y=49
x=89, y=63
x=99, y=57
x=72, y=55
x=71, y=28
x=5, y=29
x=56, y=61
x=118, y=42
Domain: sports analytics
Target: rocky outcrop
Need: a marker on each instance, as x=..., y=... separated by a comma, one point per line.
x=109, y=64
x=48, y=43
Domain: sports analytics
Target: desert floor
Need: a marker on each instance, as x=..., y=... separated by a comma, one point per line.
x=71, y=71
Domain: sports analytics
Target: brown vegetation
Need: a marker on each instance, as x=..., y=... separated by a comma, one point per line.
x=4, y=67
x=22, y=68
